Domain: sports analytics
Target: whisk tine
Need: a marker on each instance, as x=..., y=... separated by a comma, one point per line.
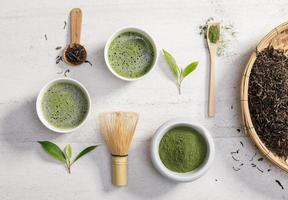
x=118, y=129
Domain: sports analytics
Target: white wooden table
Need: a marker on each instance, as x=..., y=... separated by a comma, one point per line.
x=28, y=62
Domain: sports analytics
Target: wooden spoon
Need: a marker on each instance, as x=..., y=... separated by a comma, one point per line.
x=213, y=55
x=75, y=53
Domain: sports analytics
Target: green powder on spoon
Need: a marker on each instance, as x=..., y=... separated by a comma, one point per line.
x=214, y=34
x=182, y=149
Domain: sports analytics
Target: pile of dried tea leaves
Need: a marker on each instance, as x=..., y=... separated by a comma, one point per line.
x=76, y=54
x=268, y=99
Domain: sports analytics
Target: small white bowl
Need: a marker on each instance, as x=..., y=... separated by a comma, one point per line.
x=39, y=107
x=188, y=176
x=136, y=30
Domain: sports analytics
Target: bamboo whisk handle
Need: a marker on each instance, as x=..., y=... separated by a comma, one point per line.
x=119, y=170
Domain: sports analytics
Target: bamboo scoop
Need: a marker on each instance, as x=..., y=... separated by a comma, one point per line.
x=118, y=129
x=75, y=53
x=213, y=46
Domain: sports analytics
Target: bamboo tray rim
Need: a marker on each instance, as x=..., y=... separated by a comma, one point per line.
x=246, y=117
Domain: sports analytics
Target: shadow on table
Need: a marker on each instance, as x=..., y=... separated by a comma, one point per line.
x=99, y=81
x=143, y=179
x=21, y=125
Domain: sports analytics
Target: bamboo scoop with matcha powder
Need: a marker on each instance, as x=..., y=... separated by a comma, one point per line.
x=118, y=129
x=213, y=37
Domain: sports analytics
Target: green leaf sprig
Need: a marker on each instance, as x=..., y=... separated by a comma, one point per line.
x=65, y=155
x=178, y=72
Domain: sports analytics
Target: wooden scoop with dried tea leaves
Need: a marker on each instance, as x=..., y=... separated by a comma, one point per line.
x=75, y=53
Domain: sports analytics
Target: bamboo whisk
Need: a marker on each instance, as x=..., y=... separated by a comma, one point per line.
x=118, y=129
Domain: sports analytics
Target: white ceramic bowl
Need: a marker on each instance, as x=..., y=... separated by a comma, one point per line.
x=188, y=176
x=130, y=29
x=39, y=101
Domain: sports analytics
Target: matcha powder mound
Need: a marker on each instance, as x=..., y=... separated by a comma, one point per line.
x=182, y=149
x=214, y=34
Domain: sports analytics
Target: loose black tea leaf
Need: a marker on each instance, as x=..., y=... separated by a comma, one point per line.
x=235, y=158
x=235, y=169
x=65, y=23
x=216, y=179
x=241, y=143
x=268, y=99
x=260, y=159
x=252, y=157
x=253, y=165
x=280, y=184
x=58, y=48
x=232, y=107
x=260, y=170
x=233, y=152
x=238, y=129
x=45, y=36
x=241, y=164
x=58, y=59
x=75, y=54
x=87, y=61
x=268, y=170
x=66, y=72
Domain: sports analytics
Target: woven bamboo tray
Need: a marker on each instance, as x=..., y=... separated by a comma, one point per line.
x=278, y=38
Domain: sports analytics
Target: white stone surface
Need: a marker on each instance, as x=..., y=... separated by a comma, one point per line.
x=28, y=62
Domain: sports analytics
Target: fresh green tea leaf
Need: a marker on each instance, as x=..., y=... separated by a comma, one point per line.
x=190, y=68
x=85, y=151
x=53, y=150
x=65, y=155
x=179, y=73
x=68, y=151
x=172, y=63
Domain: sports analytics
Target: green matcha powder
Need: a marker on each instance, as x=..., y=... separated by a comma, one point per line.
x=182, y=149
x=65, y=105
x=213, y=34
x=131, y=55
